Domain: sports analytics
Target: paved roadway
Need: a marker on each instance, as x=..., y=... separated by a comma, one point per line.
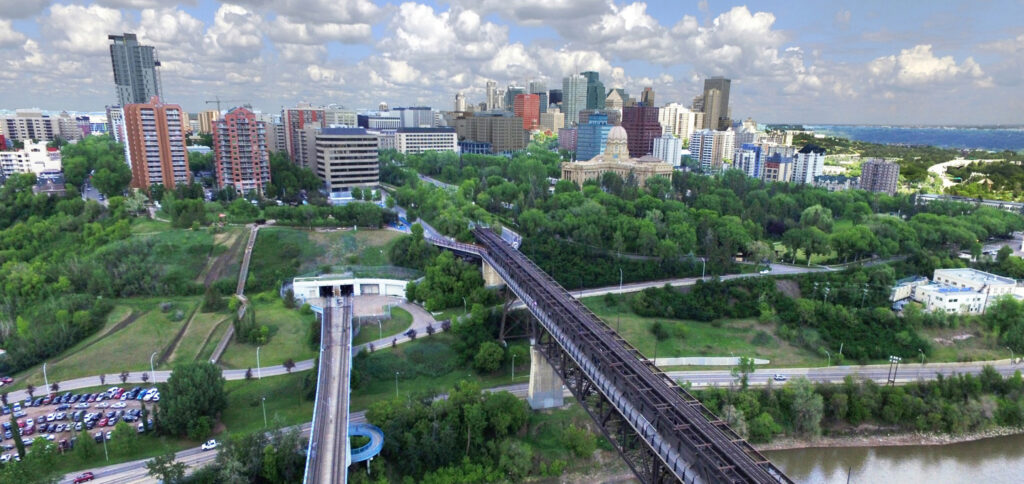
x=329, y=443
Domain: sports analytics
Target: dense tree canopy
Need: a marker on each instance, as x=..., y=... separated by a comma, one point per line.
x=191, y=400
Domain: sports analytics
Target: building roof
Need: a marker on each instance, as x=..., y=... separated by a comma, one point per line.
x=618, y=133
x=911, y=279
x=344, y=131
x=976, y=276
x=442, y=129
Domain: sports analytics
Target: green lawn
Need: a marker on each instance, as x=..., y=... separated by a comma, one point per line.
x=980, y=346
x=141, y=225
x=409, y=358
x=399, y=322
x=192, y=341
x=128, y=349
x=694, y=338
x=206, y=352
x=288, y=335
x=285, y=403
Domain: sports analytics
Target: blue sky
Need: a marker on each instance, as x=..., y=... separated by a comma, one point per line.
x=892, y=62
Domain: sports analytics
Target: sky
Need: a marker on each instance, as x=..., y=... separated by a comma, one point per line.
x=798, y=61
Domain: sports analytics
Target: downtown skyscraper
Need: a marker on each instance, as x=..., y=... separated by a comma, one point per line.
x=716, y=103
x=135, y=73
x=574, y=98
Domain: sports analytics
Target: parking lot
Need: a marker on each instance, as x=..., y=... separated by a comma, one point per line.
x=63, y=416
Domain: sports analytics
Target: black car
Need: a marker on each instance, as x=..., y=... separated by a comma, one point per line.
x=73, y=399
x=38, y=402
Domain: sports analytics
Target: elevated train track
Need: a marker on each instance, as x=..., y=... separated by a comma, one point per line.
x=662, y=432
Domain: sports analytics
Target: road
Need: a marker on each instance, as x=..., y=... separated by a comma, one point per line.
x=328, y=461
x=421, y=318
x=940, y=169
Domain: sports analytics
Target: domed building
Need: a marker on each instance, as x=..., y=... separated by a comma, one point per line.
x=616, y=160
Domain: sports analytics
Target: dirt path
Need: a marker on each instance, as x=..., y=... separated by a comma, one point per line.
x=216, y=269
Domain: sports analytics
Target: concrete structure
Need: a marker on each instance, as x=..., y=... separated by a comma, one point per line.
x=35, y=158
x=779, y=137
x=949, y=299
x=295, y=120
x=419, y=140
x=712, y=148
x=595, y=90
x=748, y=134
x=545, y=389
x=835, y=183
x=492, y=96
x=501, y=129
x=241, y=159
x=778, y=168
x=668, y=148
x=68, y=127
x=29, y=124
x=340, y=117
x=460, y=102
x=310, y=288
x=716, y=103
x=347, y=158
x=954, y=291
x=475, y=148
x=986, y=283
x=378, y=121
x=414, y=117
x=749, y=160
x=904, y=288
x=207, y=119
x=527, y=106
x=553, y=120
x=879, y=176
x=592, y=137
x=135, y=74
x=614, y=101
x=276, y=138
x=115, y=123
x=574, y=98
x=809, y=163
x=679, y=121
x=568, y=139
x=616, y=159
x=155, y=144
x=641, y=124
x=388, y=138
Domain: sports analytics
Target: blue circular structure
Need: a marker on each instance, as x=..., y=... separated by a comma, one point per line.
x=370, y=450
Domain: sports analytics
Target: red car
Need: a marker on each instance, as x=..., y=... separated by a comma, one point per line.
x=6, y=379
x=102, y=423
x=85, y=477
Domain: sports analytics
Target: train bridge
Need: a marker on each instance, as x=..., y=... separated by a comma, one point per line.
x=662, y=432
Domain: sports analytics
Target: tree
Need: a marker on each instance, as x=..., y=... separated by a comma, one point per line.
x=112, y=176
x=817, y=216
x=124, y=377
x=166, y=469
x=289, y=364
x=742, y=370
x=488, y=359
x=734, y=418
x=103, y=379
x=16, y=435
x=212, y=300
x=55, y=387
x=763, y=428
x=123, y=439
x=145, y=377
x=30, y=389
x=191, y=398
x=248, y=373
x=807, y=407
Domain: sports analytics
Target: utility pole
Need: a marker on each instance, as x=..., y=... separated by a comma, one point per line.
x=894, y=366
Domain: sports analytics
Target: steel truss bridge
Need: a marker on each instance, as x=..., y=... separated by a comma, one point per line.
x=662, y=432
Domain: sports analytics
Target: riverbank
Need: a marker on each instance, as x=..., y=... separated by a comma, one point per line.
x=872, y=436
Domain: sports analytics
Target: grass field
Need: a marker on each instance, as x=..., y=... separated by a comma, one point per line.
x=694, y=338
x=127, y=349
x=399, y=322
x=142, y=225
x=980, y=346
x=285, y=403
x=437, y=349
x=288, y=336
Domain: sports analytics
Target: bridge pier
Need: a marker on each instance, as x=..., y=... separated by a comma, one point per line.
x=491, y=276
x=545, y=389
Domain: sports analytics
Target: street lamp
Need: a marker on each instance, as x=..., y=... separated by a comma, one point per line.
x=1011, y=359
x=396, y=385
x=264, y=402
x=47, y=380
x=152, y=370
x=829, y=358
x=922, y=355
x=620, y=280
x=465, y=307
x=259, y=372
x=513, y=367
x=380, y=328
x=703, y=267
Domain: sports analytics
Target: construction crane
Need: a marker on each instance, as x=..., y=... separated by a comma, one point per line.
x=217, y=100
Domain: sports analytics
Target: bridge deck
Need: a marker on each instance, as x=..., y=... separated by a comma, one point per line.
x=693, y=443
x=329, y=440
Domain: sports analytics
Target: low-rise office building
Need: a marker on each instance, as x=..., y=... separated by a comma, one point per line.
x=419, y=140
x=347, y=158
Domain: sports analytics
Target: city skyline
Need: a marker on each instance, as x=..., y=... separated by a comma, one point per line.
x=956, y=63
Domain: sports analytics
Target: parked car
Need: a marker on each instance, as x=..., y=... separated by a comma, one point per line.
x=208, y=445
x=6, y=380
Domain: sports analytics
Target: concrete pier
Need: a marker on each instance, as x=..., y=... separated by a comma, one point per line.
x=545, y=386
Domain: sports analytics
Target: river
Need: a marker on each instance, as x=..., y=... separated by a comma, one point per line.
x=996, y=460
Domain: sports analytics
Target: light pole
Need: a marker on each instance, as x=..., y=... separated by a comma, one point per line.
x=396, y=385
x=922, y=355
x=152, y=370
x=465, y=307
x=620, y=280
x=47, y=380
x=703, y=267
x=829, y=358
x=264, y=402
x=103, y=437
x=513, y=367
x=1011, y=360
x=380, y=327
x=259, y=372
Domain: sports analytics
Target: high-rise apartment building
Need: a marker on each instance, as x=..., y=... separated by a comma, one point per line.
x=29, y=124
x=115, y=123
x=595, y=90
x=527, y=106
x=679, y=120
x=295, y=119
x=207, y=119
x=419, y=140
x=711, y=148
x=541, y=90
x=716, y=103
x=275, y=137
x=347, y=158
x=567, y=138
x=592, y=137
x=668, y=148
x=641, y=123
x=135, y=74
x=647, y=97
x=460, y=102
x=155, y=144
x=879, y=176
x=240, y=155
x=809, y=163
x=574, y=98
x=778, y=168
x=748, y=160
